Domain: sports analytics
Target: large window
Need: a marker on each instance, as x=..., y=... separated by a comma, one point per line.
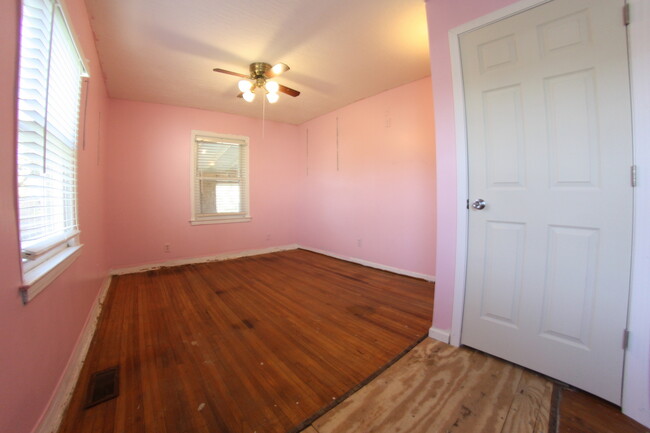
x=219, y=178
x=48, y=110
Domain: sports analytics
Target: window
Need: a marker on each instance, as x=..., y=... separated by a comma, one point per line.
x=219, y=178
x=49, y=92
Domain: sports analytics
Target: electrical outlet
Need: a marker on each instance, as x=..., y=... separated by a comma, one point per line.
x=359, y=242
x=268, y=237
x=167, y=248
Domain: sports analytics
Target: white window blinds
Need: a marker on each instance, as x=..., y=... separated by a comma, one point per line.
x=48, y=111
x=220, y=178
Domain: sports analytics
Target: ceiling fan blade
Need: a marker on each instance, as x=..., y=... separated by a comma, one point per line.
x=276, y=70
x=288, y=90
x=236, y=74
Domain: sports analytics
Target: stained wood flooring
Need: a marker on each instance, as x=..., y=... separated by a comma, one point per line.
x=258, y=344
x=580, y=412
x=270, y=343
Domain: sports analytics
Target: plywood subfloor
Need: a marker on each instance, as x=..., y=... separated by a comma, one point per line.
x=258, y=344
x=437, y=388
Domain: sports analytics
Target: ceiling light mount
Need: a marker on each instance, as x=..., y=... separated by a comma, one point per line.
x=258, y=69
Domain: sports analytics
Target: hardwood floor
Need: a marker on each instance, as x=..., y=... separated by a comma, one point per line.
x=258, y=344
x=281, y=343
x=583, y=413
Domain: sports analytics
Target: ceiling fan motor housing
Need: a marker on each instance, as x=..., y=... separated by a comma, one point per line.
x=258, y=69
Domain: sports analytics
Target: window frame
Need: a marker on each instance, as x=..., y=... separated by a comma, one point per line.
x=42, y=261
x=214, y=218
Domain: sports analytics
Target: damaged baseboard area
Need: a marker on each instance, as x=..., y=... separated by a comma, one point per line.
x=53, y=415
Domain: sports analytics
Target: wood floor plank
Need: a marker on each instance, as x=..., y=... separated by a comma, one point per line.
x=253, y=344
x=531, y=405
x=486, y=406
x=584, y=413
x=543, y=423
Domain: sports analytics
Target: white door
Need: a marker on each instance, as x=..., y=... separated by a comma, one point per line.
x=550, y=152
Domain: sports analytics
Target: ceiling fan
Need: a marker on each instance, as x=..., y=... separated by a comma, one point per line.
x=260, y=74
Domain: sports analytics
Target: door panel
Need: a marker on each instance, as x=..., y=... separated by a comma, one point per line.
x=572, y=127
x=504, y=249
x=570, y=278
x=504, y=137
x=568, y=32
x=549, y=147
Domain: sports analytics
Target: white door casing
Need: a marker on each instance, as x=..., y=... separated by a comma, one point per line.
x=549, y=149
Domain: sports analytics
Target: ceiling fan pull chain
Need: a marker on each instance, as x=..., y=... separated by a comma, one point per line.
x=263, y=118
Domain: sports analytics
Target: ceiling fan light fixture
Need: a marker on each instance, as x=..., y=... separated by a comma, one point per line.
x=272, y=97
x=244, y=85
x=279, y=68
x=272, y=86
x=249, y=96
x=260, y=77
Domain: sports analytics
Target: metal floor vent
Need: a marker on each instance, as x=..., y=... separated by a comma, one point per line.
x=103, y=386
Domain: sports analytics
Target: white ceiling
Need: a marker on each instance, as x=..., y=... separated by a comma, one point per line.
x=339, y=51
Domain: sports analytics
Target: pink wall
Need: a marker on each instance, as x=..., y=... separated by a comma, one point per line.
x=36, y=340
x=384, y=189
x=148, y=184
x=442, y=16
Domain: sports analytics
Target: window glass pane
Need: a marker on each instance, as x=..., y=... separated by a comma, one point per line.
x=228, y=198
x=207, y=196
x=220, y=184
x=48, y=109
x=219, y=160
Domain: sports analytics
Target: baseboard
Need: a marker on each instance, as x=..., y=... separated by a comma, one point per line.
x=53, y=415
x=205, y=259
x=439, y=334
x=248, y=253
x=426, y=277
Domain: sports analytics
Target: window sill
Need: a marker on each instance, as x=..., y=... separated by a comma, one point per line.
x=220, y=221
x=41, y=276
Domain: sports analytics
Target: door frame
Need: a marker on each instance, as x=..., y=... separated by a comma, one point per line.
x=636, y=402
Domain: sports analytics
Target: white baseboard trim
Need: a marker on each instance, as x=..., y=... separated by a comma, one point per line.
x=53, y=415
x=205, y=259
x=248, y=253
x=439, y=334
x=426, y=277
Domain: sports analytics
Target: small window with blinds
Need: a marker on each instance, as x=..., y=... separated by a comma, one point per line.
x=49, y=93
x=219, y=178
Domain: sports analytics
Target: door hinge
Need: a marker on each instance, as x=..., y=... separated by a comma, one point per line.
x=633, y=175
x=626, y=14
x=467, y=205
x=626, y=338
